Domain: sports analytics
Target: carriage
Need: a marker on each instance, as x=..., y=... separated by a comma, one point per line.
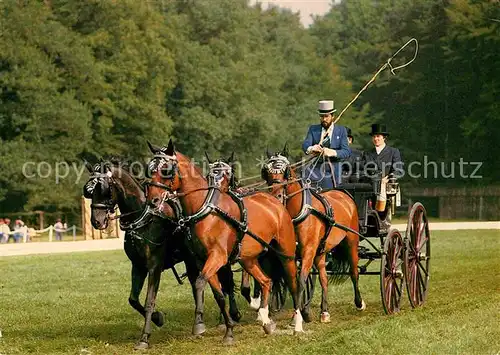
x=404, y=258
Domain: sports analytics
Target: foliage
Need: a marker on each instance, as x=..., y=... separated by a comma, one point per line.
x=83, y=80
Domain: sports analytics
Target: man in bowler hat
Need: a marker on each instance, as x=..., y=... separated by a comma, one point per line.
x=383, y=159
x=330, y=142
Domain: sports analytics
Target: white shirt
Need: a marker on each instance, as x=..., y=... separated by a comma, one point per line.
x=324, y=132
x=379, y=149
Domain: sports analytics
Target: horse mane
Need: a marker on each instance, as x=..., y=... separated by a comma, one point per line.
x=124, y=165
x=190, y=162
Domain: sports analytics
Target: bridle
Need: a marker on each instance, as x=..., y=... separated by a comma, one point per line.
x=278, y=164
x=217, y=171
x=109, y=205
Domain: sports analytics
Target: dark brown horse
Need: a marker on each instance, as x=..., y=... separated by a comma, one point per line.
x=224, y=230
x=318, y=219
x=148, y=242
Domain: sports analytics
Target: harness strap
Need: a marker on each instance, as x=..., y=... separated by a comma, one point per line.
x=210, y=205
x=235, y=254
x=327, y=216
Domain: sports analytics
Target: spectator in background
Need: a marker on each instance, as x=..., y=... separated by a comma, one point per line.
x=59, y=228
x=4, y=231
x=7, y=223
x=18, y=230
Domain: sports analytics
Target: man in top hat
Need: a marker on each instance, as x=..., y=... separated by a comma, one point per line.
x=384, y=159
x=351, y=167
x=329, y=141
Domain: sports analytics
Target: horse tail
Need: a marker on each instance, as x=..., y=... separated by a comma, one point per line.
x=272, y=266
x=339, y=265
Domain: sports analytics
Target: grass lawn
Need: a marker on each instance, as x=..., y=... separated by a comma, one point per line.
x=77, y=304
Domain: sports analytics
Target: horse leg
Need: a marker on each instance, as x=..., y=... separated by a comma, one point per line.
x=291, y=272
x=227, y=281
x=353, y=242
x=221, y=302
x=154, y=275
x=320, y=262
x=245, y=285
x=265, y=282
x=214, y=262
x=255, y=301
x=138, y=277
x=306, y=265
x=193, y=273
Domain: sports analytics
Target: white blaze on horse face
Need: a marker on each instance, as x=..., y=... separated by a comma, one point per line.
x=264, y=315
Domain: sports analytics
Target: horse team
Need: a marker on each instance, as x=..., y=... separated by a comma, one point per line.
x=181, y=215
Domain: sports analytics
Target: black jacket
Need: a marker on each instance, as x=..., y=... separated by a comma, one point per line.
x=389, y=161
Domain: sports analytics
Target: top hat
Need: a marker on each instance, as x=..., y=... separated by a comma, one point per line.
x=325, y=107
x=379, y=129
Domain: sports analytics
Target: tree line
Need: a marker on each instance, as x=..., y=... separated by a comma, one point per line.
x=83, y=80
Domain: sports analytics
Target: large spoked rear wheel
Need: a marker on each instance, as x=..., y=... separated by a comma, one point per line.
x=417, y=255
x=391, y=274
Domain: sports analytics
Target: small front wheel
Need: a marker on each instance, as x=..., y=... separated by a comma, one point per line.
x=391, y=273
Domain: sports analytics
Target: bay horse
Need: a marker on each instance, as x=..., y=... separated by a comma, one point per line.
x=146, y=236
x=225, y=229
x=221, y=174
x=320, y=221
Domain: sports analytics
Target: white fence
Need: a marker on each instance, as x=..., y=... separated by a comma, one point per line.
x=28, y=233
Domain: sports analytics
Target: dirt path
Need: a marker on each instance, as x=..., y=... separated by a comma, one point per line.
x=114, y=244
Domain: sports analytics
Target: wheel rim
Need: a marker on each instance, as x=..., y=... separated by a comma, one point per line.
x=391, y=274
x=417, y=256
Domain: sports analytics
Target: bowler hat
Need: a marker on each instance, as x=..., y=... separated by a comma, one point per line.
x=379, y=129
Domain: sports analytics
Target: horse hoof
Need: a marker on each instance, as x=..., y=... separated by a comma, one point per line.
x=269, y=328
x=298, y=332
x=142, y=345
x=325, y=317
x=306, y=316
x=158, y=318
x=228, y=341
x=236, y=317
x=363, y=306
x=199, y=329
x=259, y=318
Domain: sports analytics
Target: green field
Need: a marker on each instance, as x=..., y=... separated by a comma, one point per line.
x=77, y=304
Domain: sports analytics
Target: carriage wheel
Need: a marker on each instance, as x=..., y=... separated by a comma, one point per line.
x=391, y=275
x=417, y=255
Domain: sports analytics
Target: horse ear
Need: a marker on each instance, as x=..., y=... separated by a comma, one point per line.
x=208, y=159
x=285, y=150
x=170, y=148
x=269, y=155
x=154, y=149
x=231, y=158
x=89, y=167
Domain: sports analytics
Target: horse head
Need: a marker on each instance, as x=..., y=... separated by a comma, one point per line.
x=100, y=189
x=163, y=170
x=276, y=169
x=277, y=172
x=221, y=173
